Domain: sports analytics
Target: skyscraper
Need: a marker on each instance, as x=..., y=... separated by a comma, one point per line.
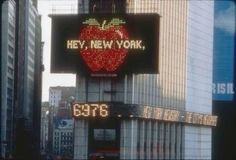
x=59, y=99
x=44, y=127
x=28, y=82
x=21, y=67
x=184, y=83
x=7, y=75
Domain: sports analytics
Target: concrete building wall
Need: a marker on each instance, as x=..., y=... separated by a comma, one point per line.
x=30, y=43
x=166, y=89
x=63, y=142
x=44, y=126
x=60, y=93
x=199, y=76
x=8, y=25
x=54, y=97
x=81, y=139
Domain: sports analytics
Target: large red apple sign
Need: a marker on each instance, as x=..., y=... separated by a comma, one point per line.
x=107, y=57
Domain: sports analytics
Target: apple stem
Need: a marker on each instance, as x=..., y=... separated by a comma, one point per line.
x=103, y=24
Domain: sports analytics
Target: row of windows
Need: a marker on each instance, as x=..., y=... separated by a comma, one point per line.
x=31, y=33
x=67, y=134
x=31, y=54
x=66, y=143
x=11, y=17
x=31, y=63
x=63, y=138
x=31, y=43
x=155, y=140
x=56, y=144
x=31, y=25
x=31, y=13
x=30, y=78
x=107, y=6
x=11, y=7
x=63, y=133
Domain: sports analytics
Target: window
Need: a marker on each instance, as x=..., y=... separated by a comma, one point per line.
x=10, y=82
x=10, y=60
x=11, y=39
x=9, y=92
x=9, y=102
x=12, y=28
x=107, y=6
x=10, y=70
x=104, y=134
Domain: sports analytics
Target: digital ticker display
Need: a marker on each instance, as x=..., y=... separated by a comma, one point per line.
x=105, y=43
x=120, y=110
x=90, y=110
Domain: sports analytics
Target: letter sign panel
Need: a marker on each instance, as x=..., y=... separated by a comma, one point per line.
x=105, y=44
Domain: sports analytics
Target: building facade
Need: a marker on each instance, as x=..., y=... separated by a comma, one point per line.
x=28, y=83
x=7, y=75
x=44, y=127
x=59, y=107
x=21, y=67
x=59, y=93
x=184, y=83
x=63, y=138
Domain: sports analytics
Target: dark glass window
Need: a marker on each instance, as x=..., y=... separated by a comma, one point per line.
x=104, y=134
x=10, y=82
x=9, y=92
x=10, y=60
x=107, y=6
x=9, y=102
x=10, y=70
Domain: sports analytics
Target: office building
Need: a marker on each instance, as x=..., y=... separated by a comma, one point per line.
x=7, y=75
x=63, y=138
x=59, y=93
x=44, y=127
x=183, y=84
x=21, y=67
x=59, y=107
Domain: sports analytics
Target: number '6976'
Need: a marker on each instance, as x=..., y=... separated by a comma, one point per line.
x=90, y=110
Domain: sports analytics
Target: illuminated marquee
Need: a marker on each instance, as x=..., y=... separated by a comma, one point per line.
x=105, y=43
x=104, y=46
x=118, y=110
x=90, y=110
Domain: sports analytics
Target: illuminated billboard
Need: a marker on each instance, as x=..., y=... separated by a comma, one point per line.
x=61, y=123
x=105, y=44
x=120, y=110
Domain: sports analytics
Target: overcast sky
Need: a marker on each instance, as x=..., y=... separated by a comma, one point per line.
x=46, y=7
